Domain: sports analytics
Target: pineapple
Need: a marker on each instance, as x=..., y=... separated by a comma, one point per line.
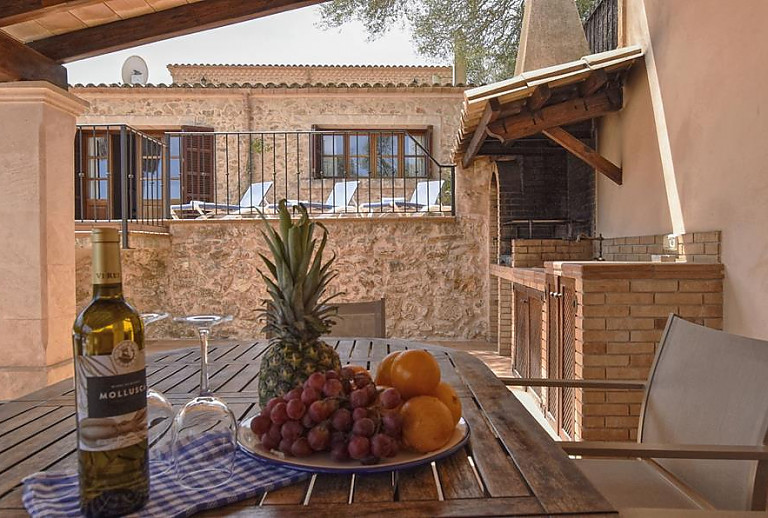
x=298, y=312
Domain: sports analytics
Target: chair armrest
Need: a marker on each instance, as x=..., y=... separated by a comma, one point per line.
x=553, y=382
x=664, y=451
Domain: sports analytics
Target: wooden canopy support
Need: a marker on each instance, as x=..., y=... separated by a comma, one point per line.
x=20, y=63
x=575, y=110
x=585, y=153
x=593, y=83
x=178, y=21
x=539, y=98
x=17, y=11
x=490, y=114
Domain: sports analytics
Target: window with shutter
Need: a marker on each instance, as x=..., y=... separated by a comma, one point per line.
x=197, y=168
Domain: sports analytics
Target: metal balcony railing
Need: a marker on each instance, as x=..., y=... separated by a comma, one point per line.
x=118, y=176
x=239, y=174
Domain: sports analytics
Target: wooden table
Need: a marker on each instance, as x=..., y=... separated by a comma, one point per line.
x=510, y=466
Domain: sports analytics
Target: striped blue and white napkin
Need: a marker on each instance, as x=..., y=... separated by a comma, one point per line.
x=56, y=495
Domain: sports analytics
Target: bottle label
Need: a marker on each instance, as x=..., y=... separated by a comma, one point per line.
x=112, y=398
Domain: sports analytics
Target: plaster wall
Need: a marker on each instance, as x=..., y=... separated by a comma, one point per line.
x=691, y=140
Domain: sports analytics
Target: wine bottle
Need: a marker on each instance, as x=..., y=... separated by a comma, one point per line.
x=110, y=388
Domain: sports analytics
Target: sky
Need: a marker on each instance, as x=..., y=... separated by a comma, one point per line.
x=288, y=38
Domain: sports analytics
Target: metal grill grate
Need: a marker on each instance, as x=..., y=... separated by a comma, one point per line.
x=569, y=358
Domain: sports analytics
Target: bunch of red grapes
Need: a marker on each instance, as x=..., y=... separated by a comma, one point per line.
x=341, y=412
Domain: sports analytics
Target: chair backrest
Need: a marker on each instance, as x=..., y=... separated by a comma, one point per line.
x=255, y=194
x=365, y=319
x=342, y=193
x=427, y=193
x=710, y=387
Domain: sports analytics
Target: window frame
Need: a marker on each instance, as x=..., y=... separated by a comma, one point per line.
x=373, y=134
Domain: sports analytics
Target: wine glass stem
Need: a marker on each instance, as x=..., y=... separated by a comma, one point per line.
x=204, y=362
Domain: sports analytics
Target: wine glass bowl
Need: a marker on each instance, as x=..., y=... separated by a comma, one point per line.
x=160, y=416
x=205, y=429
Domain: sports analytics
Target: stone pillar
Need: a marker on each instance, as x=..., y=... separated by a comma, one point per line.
x=37, y=235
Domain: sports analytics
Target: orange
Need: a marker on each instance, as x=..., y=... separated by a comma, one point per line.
x=445, y=393
x=415, y=373
x=385, y=368
x=427, y=423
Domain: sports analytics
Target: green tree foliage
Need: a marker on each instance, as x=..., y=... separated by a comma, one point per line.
x=484, y=32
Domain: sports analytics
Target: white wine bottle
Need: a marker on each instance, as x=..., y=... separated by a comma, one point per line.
x=111, y=391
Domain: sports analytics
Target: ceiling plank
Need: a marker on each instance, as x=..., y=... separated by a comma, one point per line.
x=575, y=110
x=585, y=153
x=20, y=63
x=17, y=11
x=492, y=110
x=161, y=25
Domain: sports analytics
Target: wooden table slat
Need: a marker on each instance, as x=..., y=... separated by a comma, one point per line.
x=374, y=487
x=416, y=484
x=44, y=421
x=331, y=489
x=498, y=472
x=521, y=470
x=555, y=480
x=289, y=495
x=457, y=478
x=29, y=415
x=477, y=507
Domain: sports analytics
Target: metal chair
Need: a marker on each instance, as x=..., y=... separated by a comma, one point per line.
x=703, y=427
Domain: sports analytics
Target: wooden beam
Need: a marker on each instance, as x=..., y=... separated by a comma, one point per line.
x=585, y=153
x=539, y=98
x=17, y=11
x=20, y=63
x=490, y=113
x=185, y=19
x=593, y=83
x=575, y=110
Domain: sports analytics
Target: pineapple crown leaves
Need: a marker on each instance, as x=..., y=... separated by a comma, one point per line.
x=297, y=279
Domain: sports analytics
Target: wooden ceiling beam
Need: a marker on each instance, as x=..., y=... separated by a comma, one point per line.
x=539, y=97
x=17, y=11
x=582, y=151
x=20, y=63
x=593, y=83
x=576, y=110
x=491, y=112
x=178, y=21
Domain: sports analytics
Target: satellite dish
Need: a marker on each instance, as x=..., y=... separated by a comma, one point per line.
x=135, y=71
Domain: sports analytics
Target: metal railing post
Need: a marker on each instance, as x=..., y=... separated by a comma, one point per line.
x=453, y=190
x=124, y=183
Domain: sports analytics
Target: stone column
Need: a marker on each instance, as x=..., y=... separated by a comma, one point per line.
x=37, y=235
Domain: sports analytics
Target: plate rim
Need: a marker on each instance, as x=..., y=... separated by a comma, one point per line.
x=357, y=468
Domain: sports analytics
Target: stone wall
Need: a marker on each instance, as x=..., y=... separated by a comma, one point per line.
x=284, y=159
x=310, y=74
x=431, y=272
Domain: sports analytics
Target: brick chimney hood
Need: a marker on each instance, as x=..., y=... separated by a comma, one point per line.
x=551, y=34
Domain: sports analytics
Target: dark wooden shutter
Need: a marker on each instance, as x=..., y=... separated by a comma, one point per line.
x=197, y=174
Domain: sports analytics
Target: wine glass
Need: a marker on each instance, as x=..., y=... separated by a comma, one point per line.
x=160, y=415
x=205, y=429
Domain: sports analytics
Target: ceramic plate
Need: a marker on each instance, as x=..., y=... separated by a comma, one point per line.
x=323, y=463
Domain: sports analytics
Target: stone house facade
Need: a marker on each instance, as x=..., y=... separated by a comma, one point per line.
x=432, y=272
